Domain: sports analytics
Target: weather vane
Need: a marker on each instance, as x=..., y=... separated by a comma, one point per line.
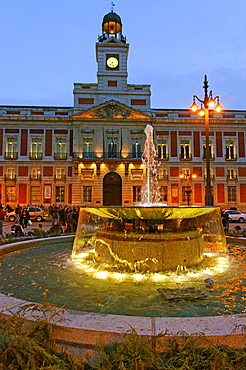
x=112, y=6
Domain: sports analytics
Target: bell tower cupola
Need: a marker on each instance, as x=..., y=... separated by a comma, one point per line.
x=111, y=26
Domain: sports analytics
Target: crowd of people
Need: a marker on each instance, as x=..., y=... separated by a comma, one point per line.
x=63, y=219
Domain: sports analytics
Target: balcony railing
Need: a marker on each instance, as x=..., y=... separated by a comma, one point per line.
x=162, y=177
x=106, y=155
x=163, y=157
x=60, y=155
x=187, y=157
x=10, y=177
x=60, y=177
x=11, y=155
x=232, y=157
x=35, y=177
x=231, y=177
x=212, y=157
x=35, y=155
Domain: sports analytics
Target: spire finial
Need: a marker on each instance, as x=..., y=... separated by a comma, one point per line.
x=112, y=6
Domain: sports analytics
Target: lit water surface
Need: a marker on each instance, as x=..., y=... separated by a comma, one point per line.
x=46, y=274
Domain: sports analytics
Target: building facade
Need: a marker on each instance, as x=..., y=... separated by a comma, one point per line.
x=90, y=154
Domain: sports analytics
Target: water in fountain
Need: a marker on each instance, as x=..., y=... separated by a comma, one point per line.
x=150, y=194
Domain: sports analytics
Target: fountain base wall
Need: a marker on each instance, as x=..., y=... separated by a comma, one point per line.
x=151, y=252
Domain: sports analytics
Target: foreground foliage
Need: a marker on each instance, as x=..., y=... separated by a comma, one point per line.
x=32, y=347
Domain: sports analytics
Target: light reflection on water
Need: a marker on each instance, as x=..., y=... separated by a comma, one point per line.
x=46, y=274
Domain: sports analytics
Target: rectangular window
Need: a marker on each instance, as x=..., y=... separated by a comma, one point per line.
x=87, y=147
x=230, y=149
x=231, y=174
x=87, y=194
x=136, y=195
x=35, y=173
x=60, y=173
x=162, y=174
x=112, y=83
x=211, y=152
x=136, y=147
x=162, y=148
x=61, y=148
x=11, y=148
x=185, y=152
x=112, y=143
x=232, y=195
x=10, y=194
x=60, y=194
x=163, y=194
x=10, y=173
x=35, y=194
x=36, y=148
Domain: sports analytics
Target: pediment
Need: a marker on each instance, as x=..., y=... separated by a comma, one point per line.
x=113, y=110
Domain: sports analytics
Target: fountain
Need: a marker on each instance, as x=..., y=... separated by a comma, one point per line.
x=150, y=237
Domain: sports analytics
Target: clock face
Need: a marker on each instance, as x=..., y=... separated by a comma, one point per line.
x=112, y=62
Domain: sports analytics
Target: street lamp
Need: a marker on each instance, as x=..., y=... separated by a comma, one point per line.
x=207, y=102
x=187, y=176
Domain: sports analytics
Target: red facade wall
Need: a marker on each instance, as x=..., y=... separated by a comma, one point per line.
x=22, y=193
x=197, y=193
x=221, y=193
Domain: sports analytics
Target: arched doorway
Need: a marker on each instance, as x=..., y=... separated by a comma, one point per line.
x=112, y=189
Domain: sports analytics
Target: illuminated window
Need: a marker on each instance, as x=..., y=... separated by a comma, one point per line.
x=60, y=173
x=61, y=148
x=35, y=173
x=60, y=194
x=230, y=149
x=185, y=152
x=136, y=195
x=163, y=193
x=11, y=148
x=162, y=148
x=232, y=194
x=10, y=173
x=211, y=150
x=87, y=194
x=36, y=148
x=87, y=147
x=35, y=194
x=136, y=147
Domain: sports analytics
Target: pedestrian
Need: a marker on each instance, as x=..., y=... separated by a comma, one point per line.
x=25, y=217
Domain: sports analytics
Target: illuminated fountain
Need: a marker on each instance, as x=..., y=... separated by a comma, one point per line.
x=151, y=237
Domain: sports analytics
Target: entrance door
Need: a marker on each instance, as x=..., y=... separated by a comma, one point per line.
x=112, y=190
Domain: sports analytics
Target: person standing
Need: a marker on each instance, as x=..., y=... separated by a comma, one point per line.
x=25, y=217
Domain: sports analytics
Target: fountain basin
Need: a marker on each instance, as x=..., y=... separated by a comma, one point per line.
x=149, y=239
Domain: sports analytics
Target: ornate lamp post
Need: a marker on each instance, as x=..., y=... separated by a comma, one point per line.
x=188, y=177
x=207, y=102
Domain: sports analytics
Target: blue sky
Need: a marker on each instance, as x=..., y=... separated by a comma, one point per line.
x=47, y=45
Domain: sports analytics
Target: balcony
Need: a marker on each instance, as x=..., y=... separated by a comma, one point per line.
x=185, y=157
x=85, y=155
x=106, y=155
x=11, y=155
x=231, y=177
x=163, y=157
x=10, y=177
x=162, y=177
x=60, y=177
x=231, y=157
x=35, y=155
x=212, y=157
x=60, y=156
x=35, y=177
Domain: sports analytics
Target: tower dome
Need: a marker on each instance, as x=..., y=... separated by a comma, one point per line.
x=112, y=23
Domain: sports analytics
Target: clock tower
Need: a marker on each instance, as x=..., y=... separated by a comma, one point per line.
x=111, y=56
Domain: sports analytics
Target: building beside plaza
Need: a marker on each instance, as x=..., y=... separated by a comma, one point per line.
x=90, y=153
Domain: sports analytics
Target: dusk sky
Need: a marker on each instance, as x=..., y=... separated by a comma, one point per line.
x=47, y=45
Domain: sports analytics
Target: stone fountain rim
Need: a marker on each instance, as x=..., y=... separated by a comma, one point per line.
x=88, y=328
